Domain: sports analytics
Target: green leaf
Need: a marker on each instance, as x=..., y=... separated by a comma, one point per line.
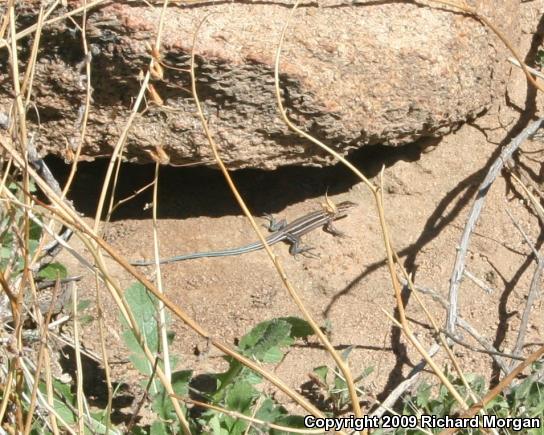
x=159, y=428
x=478, y=385
x=240, y=396
x=143, y=306
x=528, y=392
x=269, y=411
x=538, y=410
x=32, y=247
x=539, y=431
x=215, y=426
x=264, y=341
x=300, y=328
x=180, y=382
x=252, y=377
x=162, y=403
x=322, y=372
x=294, y=421
x=339, y=383
x=226, y=378
x=63, y=402
x=273, y=413
x=32, y=186
x=535, y=396
x=235, y=373
x=5, y=252
x=35, y=231
x=498, y=404
x=423, y=395
x=52, y=271
x=234, y=426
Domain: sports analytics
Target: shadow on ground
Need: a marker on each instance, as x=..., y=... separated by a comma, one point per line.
x=190, y=192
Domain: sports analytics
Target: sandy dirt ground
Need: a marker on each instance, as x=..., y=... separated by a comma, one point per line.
x=429, y=191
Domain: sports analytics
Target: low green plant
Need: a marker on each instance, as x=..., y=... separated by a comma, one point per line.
x=333, y=387
x=13, y=245
x=522, y=400
x=235, y=389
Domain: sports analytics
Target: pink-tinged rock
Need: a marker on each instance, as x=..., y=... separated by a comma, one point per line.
x=352, y=74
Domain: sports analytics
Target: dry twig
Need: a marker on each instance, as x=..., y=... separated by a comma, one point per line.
x=477, y=206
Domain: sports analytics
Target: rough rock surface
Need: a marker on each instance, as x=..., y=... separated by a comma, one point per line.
x=352, y=75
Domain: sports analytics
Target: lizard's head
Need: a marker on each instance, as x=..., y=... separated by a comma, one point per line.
x=343, y=207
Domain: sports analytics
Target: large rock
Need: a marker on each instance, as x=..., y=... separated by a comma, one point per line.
x=353, y=74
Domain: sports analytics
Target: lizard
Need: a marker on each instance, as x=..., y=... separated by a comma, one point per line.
x=282, y=231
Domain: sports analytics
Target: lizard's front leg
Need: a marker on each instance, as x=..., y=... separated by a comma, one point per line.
x=273, y=224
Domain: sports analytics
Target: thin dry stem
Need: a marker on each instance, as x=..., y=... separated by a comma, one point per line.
x=534, y=201
x=265, y=424
x=86, y=233
x=279, y=268
x=533, y=71
x=462, y=323
x=442, y=340
x=344, y=368
x=44, y=332
x=401, y=388
x=30, y=67
x=494, y=392
x=377, y=193
x=50, y=392
x=114, y=162
x=476, y=209
x=119, y=147
x=33, y=28
x=534, y=288
x=128, y=198
x=79, y=368
x=86, y=108
x=125, y=310
x=161, y=309
x=8, y=384
x=21, y=135
x=26, y=371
